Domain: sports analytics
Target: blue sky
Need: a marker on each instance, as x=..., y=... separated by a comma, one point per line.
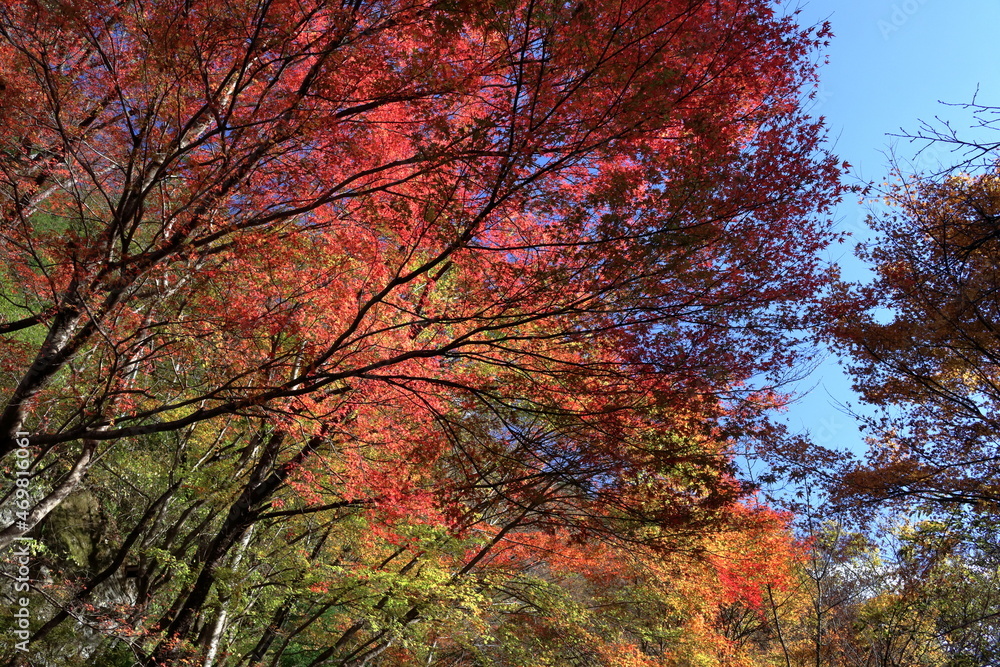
x=890, y=64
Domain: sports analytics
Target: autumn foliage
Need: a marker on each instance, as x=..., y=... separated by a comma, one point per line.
x=360, y=319
x=920, y=340
x=929, y=355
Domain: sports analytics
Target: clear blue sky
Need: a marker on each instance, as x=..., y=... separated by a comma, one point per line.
x=890, y=63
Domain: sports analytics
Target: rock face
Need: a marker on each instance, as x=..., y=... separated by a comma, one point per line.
x=74, y=535
x=74, y=531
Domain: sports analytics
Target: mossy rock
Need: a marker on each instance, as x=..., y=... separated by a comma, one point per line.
x=74, y=530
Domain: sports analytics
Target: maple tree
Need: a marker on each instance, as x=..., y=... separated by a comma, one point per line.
x=920, y=341
x=922, y=345
x=318, y=586
x=441, y=266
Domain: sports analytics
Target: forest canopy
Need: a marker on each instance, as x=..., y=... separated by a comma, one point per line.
x=414, y=332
